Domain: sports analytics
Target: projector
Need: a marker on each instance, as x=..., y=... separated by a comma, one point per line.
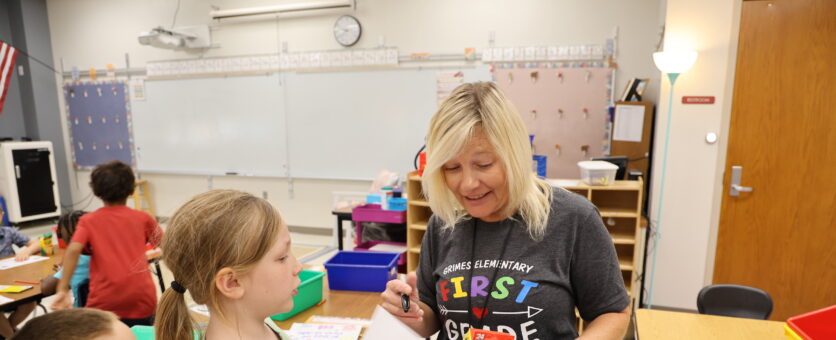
x=182, y=37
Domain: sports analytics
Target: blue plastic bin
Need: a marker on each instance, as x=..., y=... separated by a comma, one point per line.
x=539, y=162
x=364, y=271
x=397, y=204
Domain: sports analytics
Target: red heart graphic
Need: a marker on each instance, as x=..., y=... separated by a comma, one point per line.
x=479, y=312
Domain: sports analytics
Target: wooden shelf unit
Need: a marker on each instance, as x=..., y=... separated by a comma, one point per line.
x=417, y=216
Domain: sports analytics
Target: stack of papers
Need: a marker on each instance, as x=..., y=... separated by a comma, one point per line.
x=312, y=331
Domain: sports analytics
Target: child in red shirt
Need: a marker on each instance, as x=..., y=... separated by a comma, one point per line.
x=115, y=236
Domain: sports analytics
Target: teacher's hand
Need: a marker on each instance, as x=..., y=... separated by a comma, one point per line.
x=392, y=301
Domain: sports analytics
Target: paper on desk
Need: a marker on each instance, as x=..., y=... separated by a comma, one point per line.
x=200, y=309
x=4, y=300
x=339, y=320
x=10, y=263
x=314, y=331
x=385, y=327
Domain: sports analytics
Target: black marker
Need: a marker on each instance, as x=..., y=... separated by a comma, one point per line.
x=405, y=302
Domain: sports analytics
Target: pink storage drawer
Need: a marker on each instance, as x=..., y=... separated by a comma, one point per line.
x=373, y=213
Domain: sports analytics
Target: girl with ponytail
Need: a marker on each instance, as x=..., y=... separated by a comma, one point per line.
x=231, y=251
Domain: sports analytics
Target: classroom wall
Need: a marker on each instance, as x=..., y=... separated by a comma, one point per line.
x=90, y=33
x=93, y=33
x=11, y=120
x=34, y=92
x=693, y=189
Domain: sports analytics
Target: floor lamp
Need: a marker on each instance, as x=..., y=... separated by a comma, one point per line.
x=671, y=63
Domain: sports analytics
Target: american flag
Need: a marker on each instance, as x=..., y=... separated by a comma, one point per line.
x=8, y=54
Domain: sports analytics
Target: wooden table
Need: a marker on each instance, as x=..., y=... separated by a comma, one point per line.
x=339, y=303
x=657, y=324
x=343, y=214
x=33, y=272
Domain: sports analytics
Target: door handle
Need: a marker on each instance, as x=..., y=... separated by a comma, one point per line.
x=17, y=171
x=736, y=188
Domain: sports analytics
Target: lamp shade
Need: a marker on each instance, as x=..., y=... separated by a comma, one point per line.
x=674, y=61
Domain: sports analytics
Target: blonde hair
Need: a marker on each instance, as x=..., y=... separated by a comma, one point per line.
x=214, y=230
x=482, y=105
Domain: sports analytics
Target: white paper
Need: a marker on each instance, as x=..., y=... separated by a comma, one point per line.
x=200, y=309
x=389, y=248
x=386, y=327
x=315, y=331
x=11, y=263
x=4, y=300
x=339, y=320
x=629, y=121
x=137, y=88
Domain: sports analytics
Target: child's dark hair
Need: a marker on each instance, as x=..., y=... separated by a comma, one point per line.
x=68, y=324
x=112, y=181
x=67, y=223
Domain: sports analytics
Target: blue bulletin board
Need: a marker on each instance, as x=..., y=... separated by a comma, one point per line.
x=99, y=120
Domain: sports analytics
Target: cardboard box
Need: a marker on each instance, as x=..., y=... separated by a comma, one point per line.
x=481, y=334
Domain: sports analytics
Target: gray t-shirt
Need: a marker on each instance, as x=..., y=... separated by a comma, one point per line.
x=531, y=290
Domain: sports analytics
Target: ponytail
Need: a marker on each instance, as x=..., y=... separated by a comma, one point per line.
x=173, y=320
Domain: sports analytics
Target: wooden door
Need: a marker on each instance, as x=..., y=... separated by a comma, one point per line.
x=782, y=236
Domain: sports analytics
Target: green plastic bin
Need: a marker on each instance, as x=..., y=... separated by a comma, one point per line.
x=147, y=333
x=310, y=294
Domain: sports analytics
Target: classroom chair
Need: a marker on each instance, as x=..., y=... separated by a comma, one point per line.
x=734, y=300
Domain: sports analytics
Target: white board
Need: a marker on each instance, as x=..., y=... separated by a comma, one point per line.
x=328, y=125
x=351, y=125
x=212, y=126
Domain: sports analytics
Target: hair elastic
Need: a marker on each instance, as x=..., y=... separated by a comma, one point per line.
x=177, y=287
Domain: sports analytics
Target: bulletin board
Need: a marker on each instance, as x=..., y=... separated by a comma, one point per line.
x=99, y=120
x=565, y=106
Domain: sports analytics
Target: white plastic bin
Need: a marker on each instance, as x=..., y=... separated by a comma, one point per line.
x=598, y=172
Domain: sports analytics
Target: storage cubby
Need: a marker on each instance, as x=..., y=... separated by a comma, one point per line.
x=417, y=216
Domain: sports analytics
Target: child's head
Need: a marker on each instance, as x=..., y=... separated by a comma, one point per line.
x=113, y=181
x=226, y=247
x=67, y=223
x=75, y=324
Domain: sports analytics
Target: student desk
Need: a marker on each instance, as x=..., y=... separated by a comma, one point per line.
x=339, y=303
x=657, y=324
x=33, y=272
x=343, y=214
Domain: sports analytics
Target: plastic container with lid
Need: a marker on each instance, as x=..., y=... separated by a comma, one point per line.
x=47, y=248
x=598, y=172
